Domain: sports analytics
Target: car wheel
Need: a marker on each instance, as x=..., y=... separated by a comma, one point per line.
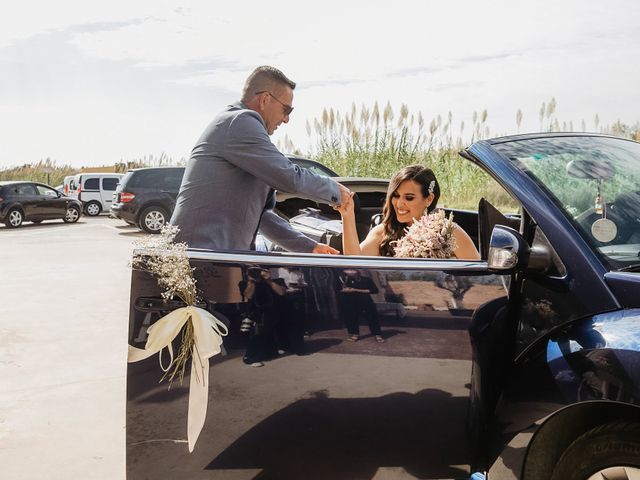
x=72, y=215
x=152, y=219
x=92, y=208
x=14, y=218
x=608, y=451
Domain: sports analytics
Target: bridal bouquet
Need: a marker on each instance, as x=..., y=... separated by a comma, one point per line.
x=201, y=332
x=428, y=237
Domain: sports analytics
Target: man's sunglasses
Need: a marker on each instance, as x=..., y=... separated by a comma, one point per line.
x=286, y=109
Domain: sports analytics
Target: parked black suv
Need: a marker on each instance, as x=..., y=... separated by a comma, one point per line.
x=35, y=202
x=147, y=196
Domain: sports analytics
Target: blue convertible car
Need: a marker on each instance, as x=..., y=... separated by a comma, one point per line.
x=524, y=364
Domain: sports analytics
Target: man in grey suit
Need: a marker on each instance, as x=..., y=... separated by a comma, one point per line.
x=227, y=191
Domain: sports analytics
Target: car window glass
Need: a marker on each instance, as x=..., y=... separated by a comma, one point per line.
x=595, y=181
x=25, y=189
x=110, y=183
x=92, y=184
x=318, y=171
x=47, y=192
x=157, y=178
x=463, y=184
x=127, y=180
x=314, y=167
x=139, y=178
x=173, y=179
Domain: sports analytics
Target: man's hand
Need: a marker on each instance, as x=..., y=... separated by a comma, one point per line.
x=345, y=194
x=324, y=248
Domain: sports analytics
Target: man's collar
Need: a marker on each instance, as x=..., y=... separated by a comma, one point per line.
x=240, y=105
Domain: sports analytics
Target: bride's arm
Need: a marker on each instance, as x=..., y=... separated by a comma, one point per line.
x=350, y=244
x=465, y=249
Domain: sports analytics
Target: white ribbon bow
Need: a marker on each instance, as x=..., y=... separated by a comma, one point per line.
x=207, y=336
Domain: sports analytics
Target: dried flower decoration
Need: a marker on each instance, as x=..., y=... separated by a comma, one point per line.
x=428, y=237
x=202, y=333
x=169, y=263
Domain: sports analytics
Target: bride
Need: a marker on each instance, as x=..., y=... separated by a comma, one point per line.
x=412, y=191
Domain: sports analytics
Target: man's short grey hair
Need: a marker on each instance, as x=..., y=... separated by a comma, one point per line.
x=265, y=78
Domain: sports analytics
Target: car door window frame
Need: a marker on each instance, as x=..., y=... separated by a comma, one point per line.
x=342, y=261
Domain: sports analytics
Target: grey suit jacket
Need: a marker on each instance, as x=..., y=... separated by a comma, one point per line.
x=228, y=180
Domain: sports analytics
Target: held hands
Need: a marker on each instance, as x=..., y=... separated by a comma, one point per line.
x=345, y=194
x=346, y=205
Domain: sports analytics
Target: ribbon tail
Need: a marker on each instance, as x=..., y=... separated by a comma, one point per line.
x=198, y=398
x=207, y=331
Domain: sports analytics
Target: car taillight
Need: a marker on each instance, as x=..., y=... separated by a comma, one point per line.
x=126, y=197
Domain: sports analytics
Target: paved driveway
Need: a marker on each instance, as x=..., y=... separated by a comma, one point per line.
x=64, y=296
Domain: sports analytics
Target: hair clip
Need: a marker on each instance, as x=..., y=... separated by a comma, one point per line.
x=432, y=185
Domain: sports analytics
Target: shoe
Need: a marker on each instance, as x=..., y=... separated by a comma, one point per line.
x=379, y=339
x=256, y=364
x=353, y=338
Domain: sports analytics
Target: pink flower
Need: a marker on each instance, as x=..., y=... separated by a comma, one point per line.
x=429, y=237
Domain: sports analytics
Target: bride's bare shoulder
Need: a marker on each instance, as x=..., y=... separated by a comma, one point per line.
x=377, y=232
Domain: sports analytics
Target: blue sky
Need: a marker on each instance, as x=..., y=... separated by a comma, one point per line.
x=92, y=83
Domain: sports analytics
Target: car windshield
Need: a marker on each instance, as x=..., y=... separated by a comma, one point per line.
x=596, y=182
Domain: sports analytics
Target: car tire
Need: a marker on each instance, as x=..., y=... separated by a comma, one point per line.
x=93, y=208
x=152, y=219
x=14, y=218
x=607, y=451
x=72, y=215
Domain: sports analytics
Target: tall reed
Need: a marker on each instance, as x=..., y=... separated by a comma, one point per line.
x=374, y=141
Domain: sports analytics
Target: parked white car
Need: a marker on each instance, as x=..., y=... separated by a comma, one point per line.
x=68, y=186
x=95, y=190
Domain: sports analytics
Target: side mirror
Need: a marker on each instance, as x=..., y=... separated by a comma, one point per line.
x=507, y=249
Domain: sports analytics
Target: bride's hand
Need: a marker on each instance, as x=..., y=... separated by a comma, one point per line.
x=347, y=207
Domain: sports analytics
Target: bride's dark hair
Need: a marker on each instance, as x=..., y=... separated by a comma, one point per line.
x=393, y=229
